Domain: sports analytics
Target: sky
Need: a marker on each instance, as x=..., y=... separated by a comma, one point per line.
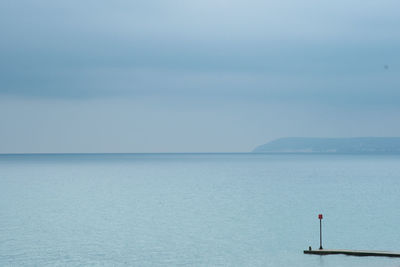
x=194, y=76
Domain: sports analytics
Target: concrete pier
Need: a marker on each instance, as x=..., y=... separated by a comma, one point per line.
x=361, y=253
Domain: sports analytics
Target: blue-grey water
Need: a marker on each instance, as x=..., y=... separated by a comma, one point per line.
x=196, y=209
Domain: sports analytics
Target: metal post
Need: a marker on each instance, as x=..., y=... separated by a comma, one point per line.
x=320, y=230
x=320, y=234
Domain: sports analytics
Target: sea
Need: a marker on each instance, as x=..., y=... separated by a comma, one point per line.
x=238, y=209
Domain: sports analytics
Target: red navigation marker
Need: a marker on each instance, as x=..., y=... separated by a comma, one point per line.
x=320, y=216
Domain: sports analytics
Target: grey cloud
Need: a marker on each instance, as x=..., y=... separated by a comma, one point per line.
x=262, y=50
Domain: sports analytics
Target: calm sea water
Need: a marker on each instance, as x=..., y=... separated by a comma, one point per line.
x=196, y=209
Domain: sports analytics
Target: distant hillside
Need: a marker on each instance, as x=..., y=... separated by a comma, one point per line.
x=332, y=145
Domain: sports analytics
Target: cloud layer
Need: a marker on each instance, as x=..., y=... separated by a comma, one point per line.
x=263, y=56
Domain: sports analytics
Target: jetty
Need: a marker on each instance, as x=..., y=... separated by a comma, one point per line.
x=362, y=253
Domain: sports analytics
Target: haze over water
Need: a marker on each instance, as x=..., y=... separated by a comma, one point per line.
x=196, y=209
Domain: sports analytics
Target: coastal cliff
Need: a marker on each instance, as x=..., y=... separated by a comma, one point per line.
x=331, y=145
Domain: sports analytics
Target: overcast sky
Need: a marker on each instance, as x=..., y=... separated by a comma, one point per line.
x=195, y=76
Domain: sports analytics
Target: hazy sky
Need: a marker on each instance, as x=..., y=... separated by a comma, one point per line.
x=195, y=76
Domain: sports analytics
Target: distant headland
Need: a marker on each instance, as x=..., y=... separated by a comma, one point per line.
x=331, y=145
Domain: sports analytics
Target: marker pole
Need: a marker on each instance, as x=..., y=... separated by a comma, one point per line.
x=320, y=230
